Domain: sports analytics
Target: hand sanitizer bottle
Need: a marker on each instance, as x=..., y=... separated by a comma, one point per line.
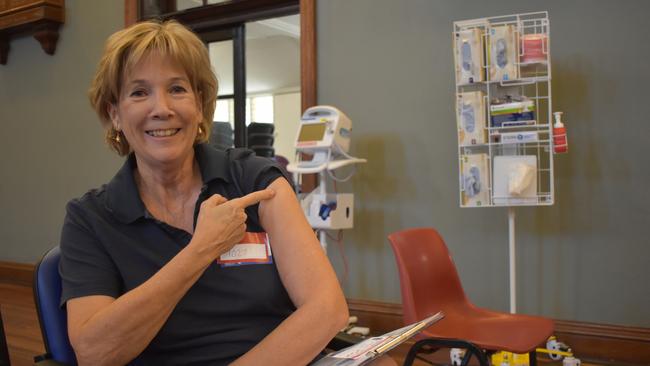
x=560, y=145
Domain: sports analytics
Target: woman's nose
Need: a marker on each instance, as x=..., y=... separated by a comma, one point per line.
x=161, y=107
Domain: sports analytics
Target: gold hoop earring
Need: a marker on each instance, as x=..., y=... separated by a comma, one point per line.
x=199, y=134
x=117, y=137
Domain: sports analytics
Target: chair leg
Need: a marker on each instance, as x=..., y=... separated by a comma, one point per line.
x=412, y=354
x=479, y=353
x=425, y=360
x=532, y=358
x=466, y=358
x=448, y=343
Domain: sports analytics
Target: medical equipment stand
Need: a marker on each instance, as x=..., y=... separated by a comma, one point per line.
x=512, y=143
x=322, y=189
x=341, y=218
x=512, y=256
x=533, y=81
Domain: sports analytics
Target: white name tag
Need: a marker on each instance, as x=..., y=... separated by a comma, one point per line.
x=254, y=248
x=245, y=252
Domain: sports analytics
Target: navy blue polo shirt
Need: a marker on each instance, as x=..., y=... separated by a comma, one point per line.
x=110, y=244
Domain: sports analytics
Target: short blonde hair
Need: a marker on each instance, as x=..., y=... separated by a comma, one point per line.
x=125, y=48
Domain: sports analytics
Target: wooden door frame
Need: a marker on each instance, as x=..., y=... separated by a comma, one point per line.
x=308, y=71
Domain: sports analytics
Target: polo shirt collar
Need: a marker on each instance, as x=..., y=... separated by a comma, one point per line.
x=123, y=198
x=213, y=163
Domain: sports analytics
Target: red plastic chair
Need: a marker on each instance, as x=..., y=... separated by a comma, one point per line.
x=429, y=283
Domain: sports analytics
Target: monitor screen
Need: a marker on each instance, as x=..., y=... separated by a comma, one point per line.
x=312, y=132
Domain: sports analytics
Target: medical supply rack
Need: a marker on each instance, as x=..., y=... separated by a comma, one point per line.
x=533, y=80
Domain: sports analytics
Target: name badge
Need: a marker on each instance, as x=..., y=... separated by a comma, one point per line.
x=254, y=248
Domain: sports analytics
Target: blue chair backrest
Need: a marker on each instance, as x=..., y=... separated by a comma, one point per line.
x=4, y=349
x=53, y=318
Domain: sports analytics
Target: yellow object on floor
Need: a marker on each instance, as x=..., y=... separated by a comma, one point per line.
x=509, y=359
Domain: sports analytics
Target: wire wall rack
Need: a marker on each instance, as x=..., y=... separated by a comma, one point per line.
x=504, y=110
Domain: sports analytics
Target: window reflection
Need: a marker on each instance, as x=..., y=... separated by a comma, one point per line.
x=272, y=78
x=258, y=109
x=224, y=111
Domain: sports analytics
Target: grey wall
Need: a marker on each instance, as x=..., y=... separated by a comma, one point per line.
x=389, y=65
x=51, y=145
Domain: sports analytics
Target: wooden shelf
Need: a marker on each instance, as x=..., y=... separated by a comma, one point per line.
x=39, y=18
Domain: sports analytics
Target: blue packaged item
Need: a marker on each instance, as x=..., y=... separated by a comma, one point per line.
x=510, y=112
x=511, y=119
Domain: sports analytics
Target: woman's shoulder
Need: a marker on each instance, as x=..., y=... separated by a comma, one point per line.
x=248, y=160
x=233, y=154
x=91, y=196
x=93, y=200
x=255, y=172
x=239, y=167
x=239, y=164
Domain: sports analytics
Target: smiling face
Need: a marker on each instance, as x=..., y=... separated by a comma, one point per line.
x=158, y=112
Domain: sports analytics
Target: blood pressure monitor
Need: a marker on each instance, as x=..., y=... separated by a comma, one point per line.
x=323, y=128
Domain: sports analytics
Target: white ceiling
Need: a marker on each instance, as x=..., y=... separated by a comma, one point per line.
x=288, y=26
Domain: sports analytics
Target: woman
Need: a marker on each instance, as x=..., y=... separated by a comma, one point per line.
x=152, y=265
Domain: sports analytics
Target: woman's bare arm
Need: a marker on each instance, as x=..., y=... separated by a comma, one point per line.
x=309, y=279
x=108, y=331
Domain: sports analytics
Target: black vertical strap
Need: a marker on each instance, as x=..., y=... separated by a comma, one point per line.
x=239, y=62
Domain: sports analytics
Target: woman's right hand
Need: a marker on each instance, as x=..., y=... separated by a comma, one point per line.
x=222, y=223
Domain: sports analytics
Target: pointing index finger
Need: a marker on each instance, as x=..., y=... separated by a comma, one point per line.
x=253, y=198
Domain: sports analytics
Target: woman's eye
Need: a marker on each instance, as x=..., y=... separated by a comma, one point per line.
x=138, y=93
x=178, y=89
